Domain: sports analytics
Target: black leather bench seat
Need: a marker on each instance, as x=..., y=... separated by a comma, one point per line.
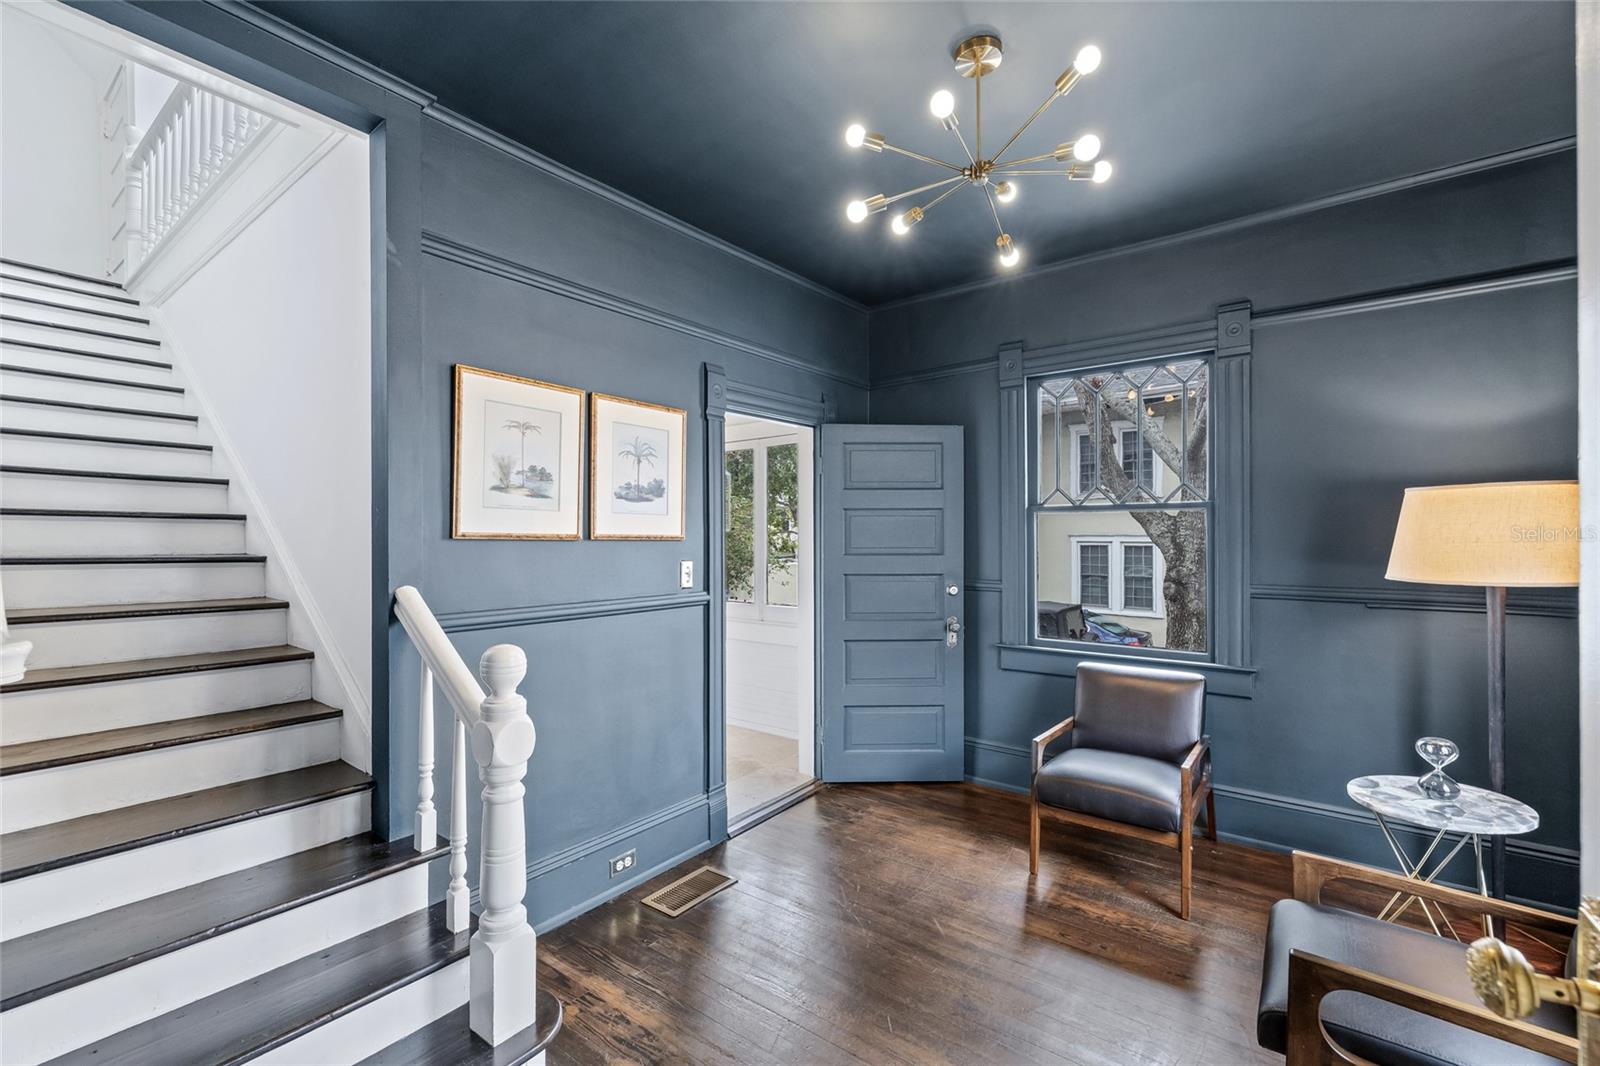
x=1379, y=1031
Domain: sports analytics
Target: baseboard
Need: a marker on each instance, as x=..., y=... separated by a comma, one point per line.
x=1539, y=874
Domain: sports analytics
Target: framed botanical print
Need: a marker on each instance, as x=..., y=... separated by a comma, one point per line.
x=636, y=469
x=518, y=458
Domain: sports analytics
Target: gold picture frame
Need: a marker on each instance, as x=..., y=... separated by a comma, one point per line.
x=500, y=494
x=636, y=509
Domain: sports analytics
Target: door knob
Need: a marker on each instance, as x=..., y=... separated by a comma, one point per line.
x=952, y=632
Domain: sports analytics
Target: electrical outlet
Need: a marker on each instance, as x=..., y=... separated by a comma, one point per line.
x=621, y=864
x=686, y=574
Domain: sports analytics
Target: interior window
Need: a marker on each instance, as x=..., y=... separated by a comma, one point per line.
x=783, y=525
x=739, y=470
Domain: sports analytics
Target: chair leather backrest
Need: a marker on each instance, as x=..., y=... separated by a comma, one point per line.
x=1138, y=710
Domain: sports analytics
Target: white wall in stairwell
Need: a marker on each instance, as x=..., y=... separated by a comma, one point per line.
x=273, y=333
x=51, y=209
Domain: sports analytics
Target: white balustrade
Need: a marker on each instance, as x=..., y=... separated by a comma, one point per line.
x=504, y=949
x=193, y=141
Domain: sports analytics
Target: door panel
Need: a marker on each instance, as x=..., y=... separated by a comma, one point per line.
x=893, y=681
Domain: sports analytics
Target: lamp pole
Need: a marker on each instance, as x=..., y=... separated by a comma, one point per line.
x=1495, y=602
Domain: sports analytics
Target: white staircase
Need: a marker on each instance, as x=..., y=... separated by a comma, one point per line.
x=186, y=869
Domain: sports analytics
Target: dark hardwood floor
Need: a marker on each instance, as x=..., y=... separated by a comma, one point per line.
x=897, y=924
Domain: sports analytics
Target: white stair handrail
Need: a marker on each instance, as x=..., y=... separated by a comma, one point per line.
x=503, y=951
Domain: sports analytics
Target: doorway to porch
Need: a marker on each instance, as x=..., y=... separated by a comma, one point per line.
x=769, y=565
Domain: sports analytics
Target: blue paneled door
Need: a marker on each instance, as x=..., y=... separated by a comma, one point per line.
x=892, y=607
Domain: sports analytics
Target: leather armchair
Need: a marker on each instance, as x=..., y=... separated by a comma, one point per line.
x=1337, y=986
x=1136, y=763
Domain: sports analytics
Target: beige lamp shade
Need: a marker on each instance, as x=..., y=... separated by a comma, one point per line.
x=1507, y=533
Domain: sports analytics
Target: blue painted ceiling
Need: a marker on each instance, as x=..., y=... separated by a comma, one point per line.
x=730, y=116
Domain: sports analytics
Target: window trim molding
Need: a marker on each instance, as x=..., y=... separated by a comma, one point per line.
x=1226, y=340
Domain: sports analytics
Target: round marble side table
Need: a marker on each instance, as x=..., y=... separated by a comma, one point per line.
x=1473, y=815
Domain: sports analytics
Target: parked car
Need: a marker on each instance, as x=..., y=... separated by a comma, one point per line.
x=1069, y=621
x=1106, y=631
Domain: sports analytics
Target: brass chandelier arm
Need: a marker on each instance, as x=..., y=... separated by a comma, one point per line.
x=918, y=155
x=937, y=200
x=988, y=195
x=924, y=188
x=1020, y=129
x=1024, y=162
x=1034, y=173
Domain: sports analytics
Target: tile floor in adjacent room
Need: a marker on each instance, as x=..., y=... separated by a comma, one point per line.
x=761, y=767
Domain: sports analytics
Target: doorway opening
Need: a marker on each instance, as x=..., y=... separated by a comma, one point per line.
x=770, y=566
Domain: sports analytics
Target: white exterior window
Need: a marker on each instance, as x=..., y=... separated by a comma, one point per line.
x=1127, y=437
x=1118, y=575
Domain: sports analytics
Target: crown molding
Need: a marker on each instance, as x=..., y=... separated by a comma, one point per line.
x=361, y=68
x=1276, y=214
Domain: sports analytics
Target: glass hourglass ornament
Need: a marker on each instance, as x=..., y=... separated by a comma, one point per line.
x=1438, y=753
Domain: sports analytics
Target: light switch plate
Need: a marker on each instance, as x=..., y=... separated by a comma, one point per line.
x=686, y=574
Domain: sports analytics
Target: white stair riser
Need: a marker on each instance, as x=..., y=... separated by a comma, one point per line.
x=22, y=270
x=114, y=494
x=74, y=317
x=94, y=455
x=77, y=891
x=14, y=383
x=75, y=535
x=16, y=355
x=62, y=792
x=116, y=640
x=69, y=338
x=82, y=585
x=42, y=714
x=95, y=1009
x=372, y=1027
x=100, y=423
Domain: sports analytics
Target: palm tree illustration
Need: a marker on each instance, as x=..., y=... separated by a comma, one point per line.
x=522, y=428
x=642, y=452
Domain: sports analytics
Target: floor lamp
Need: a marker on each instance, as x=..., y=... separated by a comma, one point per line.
x=1508, y=534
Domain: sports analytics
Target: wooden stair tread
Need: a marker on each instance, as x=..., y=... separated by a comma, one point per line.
x=92, y=379
x=92, y=836
x=101, y=408
x=115, y=475
x=23, y=264
x=98, y=612
x=7, y=276
x=39, y=302
x=248, y=1019
x=98, y=438
x=450, y=1039
x=40, y=323
x=86, y=747
x=87, y=512
x=73, y=953
x=163, y=666
x=114, y=357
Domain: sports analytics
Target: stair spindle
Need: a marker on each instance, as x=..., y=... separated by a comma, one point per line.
x=458, y=899
x=427, y=827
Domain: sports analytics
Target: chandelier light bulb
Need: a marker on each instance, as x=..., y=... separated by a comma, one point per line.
x=900, y=226
x=856, y=211
x=1009, y=255
x=1087, y=60
x=1005, y=192
x=1102, y=172
x=855, y=135
x=1085, y=148
x=942, y=104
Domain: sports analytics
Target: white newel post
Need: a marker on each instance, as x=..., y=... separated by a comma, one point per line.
x=503, y=949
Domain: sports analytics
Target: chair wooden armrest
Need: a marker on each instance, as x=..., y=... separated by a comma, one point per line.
x=1312, y=977
x=1201, y=749
x=1312, y=872
x=1043, y=740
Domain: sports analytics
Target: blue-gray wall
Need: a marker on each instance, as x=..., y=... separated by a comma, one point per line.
x=488, y=255
x=1346, y=411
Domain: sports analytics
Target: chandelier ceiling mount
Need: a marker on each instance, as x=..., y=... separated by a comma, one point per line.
x=993, y=175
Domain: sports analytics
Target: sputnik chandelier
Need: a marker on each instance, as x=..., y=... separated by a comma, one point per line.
x=994, y=176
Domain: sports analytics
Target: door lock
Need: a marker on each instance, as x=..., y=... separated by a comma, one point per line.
x=952, y=590
x=952, y=632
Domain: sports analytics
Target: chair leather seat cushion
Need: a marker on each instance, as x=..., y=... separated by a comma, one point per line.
x=1131, y=789
x=1377, y=1030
